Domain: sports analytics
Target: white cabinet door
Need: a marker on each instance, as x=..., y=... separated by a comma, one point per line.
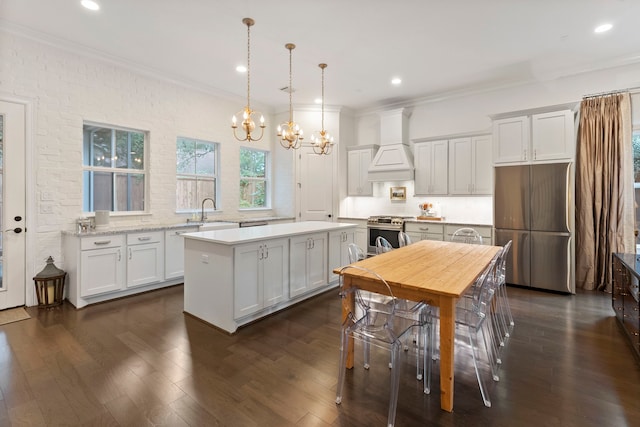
x=339, y=250
x=275, y=270
x=308, y=264
x=248, y=296
x=102, y=270
x=553, y=136
x=174, y=252
x=460, y=161
x=260, y=276
x=145, y=258
x=482, y=167
x=358, y=161
x=431, y=167
x=470, y=168
x=511, y=140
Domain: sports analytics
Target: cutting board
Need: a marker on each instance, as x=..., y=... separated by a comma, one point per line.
x=429, y=218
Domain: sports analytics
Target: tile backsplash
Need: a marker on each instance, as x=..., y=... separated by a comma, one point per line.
x=464, y=209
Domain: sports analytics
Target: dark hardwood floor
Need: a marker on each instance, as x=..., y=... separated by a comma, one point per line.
x=140, y=361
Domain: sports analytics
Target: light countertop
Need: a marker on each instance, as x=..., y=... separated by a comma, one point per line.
x=253, y=234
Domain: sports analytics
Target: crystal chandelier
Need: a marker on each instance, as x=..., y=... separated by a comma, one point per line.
x=248, y=125
x=289, y=132
x=321, y=141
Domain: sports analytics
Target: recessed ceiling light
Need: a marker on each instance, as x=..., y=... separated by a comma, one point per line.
x=241, y=69
x=318, y=100
x=603, y=28
x=396, y=81
x=90, y=4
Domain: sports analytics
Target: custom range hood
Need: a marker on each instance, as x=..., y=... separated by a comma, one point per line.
x=393, y=161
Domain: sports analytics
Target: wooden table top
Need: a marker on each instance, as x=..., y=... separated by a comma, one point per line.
x=429, y=268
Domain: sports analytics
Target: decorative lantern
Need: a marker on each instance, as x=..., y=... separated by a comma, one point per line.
x=50, y=285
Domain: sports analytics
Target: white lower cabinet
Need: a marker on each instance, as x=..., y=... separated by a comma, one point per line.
x=260, y=276
x=174, y=252
x=486, y=231
x=424, y=231
x=102, y=265
x=145, y=258
x=339, y=250
x=308, y=266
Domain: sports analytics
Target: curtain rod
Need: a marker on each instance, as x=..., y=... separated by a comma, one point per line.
x=612, y=92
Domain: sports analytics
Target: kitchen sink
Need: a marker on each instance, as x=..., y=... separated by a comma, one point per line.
x=217, y=225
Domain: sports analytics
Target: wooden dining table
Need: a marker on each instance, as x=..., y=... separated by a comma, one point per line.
x=435, y=272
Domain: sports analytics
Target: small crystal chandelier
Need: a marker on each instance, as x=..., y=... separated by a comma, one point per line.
x=248, y=125
x=321, y=141
x=289, y=132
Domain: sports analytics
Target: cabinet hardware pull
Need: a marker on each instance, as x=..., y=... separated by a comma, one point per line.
x=119, y=255
x=261, y=252
x=424, y=228
x=144, y=239
x=266, y=248
x=102, y=242
x=129, y=253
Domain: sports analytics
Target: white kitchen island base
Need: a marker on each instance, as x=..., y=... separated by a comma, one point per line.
x=234, y=277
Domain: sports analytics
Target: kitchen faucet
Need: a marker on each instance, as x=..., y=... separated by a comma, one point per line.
x=202, y=216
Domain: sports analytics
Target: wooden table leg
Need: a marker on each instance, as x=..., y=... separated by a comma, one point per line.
x=447, y=331
x=348, y=306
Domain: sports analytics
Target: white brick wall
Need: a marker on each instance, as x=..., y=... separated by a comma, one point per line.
x=68, y=88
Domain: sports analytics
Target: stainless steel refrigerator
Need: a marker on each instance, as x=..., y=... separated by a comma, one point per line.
x=534, y=207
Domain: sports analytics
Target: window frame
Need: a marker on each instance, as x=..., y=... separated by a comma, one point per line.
x=266, y=180
x=89, y=198
x=215, y=177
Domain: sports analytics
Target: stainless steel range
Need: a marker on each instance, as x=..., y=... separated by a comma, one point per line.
x=386, y=226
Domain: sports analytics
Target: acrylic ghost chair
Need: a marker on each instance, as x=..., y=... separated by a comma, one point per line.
x=403, y=239
x=403, y=308
x=382, y=245
x=502, y=309
x=466, y=235
x=471, y=323
x=381, y=328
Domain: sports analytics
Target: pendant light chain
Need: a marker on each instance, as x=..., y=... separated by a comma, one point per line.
x=249, y=67
x=322, y=120
x=290, y=88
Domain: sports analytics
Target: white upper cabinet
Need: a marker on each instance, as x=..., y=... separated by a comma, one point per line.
x=431, y=164
x=538, y=137
x=511, y=140
x=358, y=160
x=553, y=136
x=470, y=168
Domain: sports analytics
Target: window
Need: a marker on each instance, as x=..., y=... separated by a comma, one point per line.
x=114, y=175
x=253, y=178
x=196, y=173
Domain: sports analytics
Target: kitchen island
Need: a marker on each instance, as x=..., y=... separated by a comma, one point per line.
x=234, y=277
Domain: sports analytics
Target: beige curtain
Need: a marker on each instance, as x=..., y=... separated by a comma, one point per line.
x=604, y=188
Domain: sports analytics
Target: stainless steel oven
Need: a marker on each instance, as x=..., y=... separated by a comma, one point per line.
x=385, y=226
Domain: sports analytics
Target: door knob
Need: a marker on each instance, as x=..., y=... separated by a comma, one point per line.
x=16, y=230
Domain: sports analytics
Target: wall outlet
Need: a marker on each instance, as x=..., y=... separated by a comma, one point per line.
x=204, y=258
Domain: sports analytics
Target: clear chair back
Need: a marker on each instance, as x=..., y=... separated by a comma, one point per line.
x=355, y=253
x=467, y=235
x=404, y=239
x=382, y=245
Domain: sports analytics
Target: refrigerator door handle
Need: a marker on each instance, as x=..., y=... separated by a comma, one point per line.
x=567, y=208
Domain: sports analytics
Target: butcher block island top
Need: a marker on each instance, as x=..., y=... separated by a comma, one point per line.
x=234, y=277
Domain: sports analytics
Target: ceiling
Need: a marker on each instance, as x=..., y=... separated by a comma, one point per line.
x=436, y=47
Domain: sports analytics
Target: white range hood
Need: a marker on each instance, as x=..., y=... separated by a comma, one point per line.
x=393, y=161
